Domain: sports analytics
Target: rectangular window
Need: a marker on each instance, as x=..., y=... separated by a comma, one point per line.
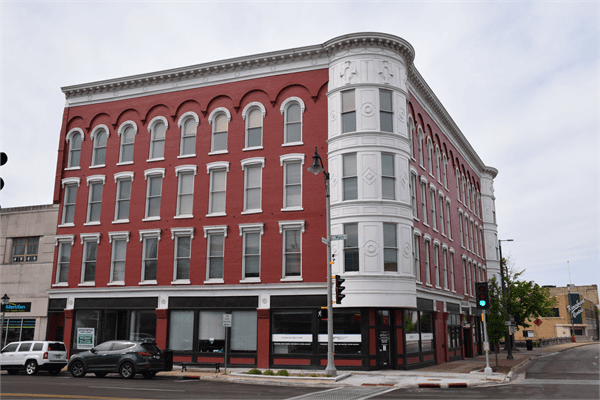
x=476, y=234
x=69, y=204
x=95, y=202
x=293, y=184
x=351, y=253
x=416, y=261
x=123, y=196
x=119, y=252
x=385, y=110
x=452, y=272
x=90, y=249
x=216, y=242
x=185, y=194
x=388, y=177
x=350, y=178
x=442, y=214
x=252, y=198
x=436, y=264
x=445, y=266
x=244, y=331
x=413, y=194
x=460, y=227
x=182, y=257
x=471, y=230
x=467, y=232
x=432, y=201
x=424, y=202
x=348, y=111
x=150, y=259
x=64, y=257
x=218, y=179
x=251, y=255
x=25, y=249
x=390, y=244
x=449, y=230
x=211, y=333
x=465, y=287
x=153, y=196
x=181, y=330
x=427, y=270
x=292, y=248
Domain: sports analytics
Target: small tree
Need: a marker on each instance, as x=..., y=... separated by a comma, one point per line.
x=495, y=317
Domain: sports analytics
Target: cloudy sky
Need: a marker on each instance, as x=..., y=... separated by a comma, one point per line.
x=519, y=78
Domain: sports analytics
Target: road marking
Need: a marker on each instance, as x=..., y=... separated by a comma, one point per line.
x=558, y=382
x=130, y=388
x=546, y=355
x=345, y=393
x=62, y=396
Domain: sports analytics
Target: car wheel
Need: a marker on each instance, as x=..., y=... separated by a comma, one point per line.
x=77, y=369
x=55, y=371
x=127, y=371
x=149, y=375
x=31, y=367
x=12, y=371
x=100, y=374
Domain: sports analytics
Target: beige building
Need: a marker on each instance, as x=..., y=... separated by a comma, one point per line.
x=26, y=259
x=584, y=303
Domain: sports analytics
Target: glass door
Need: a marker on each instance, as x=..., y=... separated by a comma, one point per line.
x=384, y=339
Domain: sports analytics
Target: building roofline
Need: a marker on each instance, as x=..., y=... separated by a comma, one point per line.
x=29, y=208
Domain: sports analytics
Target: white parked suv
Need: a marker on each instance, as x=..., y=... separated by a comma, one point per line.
x=33, y=356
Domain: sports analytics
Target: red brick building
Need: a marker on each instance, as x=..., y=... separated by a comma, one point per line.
x=184, y=195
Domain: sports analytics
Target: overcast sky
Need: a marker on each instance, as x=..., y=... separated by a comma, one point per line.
x=520, y=79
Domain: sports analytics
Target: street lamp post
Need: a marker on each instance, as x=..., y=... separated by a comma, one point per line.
x=5, y=300
x=315, y=168
x=509, y=356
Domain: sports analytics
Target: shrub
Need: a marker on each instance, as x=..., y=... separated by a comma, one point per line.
x=283, y=372
x=254, y=371
x=268, y=372
x=313, y=375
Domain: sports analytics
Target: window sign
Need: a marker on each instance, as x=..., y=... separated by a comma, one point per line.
x=16, y=307
x=85, y=338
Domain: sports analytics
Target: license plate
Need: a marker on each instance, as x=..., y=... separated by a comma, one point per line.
x=56, y=356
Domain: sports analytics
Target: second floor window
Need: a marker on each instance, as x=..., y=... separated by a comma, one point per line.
x=90, y=250
x=69, y=204
x=424, y=202
x=182, y=257
x=416, y=261
x=218, y=183
x=25, y=249
x=413, y=194
x=123, y=196
x=350, y=178
x=251, y=255
x=64, y=258
x=292, y=197
x=390, y=252
x=351, y=253
x=153, y=196
x=252, y=187
x=119, y=253
x=292, y=249
x=427, y=270
x=185, y=193
x=348, y=112
x=216, y=244
x=149, y=259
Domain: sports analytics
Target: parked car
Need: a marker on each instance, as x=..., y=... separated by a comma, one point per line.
x=33, y=356
x=127, y=357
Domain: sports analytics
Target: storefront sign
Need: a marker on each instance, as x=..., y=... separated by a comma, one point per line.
x=291, y=339
x=412, y=336
x=16, y=307
x=340, y=338
x=85, y=338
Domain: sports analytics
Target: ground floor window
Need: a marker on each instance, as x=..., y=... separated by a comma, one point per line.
x=454, y=327
x=419, y=331
x=16, y=330
x=292, y=332
x=347, y=337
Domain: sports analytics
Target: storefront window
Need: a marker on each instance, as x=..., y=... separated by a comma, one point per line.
x=454, y=331
x=181, y=330
x=346, y=332
x=411, y=326
x=243, y=331
x=211, y=333
x=87, y=320
x=143, y=325
x=292, y=332
x=18, y=330
x=426, y=330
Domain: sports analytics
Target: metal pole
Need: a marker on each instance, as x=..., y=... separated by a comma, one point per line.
x=487, y=370
x=2, y=328
x=226, y=347
x=330, y=370
x=509, y=356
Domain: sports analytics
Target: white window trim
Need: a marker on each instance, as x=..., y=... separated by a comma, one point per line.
x=283, y=110
x=184, y=169
x=285, y=225
x=251, y=228
x=72, y=132
x=66, y=182
x=291, y=158
x=417, y=232
x=148, y=234
x=149, y=173
x=180, y=123
x=126, y=175
x=58, y=240
x=88, y=237
x=175, y=232
x=151, y=125
x=210, y=230
x=452, y=281
x=246, y=163
x=118, y=235
x=93, y=179
x=411, y=130
x=68, y=139
x=120, y=132
x=122, y=235
x=70, y=181
x=247, y=109
x=211, y=117
x=217, y=165
x=93, y=138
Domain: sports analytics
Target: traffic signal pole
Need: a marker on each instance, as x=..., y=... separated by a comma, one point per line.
x=486, y=345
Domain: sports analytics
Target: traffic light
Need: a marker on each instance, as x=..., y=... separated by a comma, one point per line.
x=3, y=160
x=322, y=313
x=482, y=295
x=339, y=289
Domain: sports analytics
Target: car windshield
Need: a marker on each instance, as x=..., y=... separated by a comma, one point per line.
x=151, y=347
x=56, y=347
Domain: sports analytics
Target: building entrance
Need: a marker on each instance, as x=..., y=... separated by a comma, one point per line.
x=384, y=339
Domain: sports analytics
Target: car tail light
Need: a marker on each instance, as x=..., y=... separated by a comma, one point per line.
x=45, y=355
x=144, y=354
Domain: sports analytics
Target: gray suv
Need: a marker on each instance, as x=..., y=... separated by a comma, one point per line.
x=127, y=357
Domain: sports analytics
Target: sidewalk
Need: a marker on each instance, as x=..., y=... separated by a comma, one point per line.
x=463, y=373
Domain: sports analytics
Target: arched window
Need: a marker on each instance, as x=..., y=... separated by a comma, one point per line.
x=158, y=130
x=438, y=158
x=420, y=145
x=99, y=136
x=254, y=129
x=189, y=125
x=219, y=119
x=292, y=108
x=127, y=131
x=430, y=156
x=74, y=137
